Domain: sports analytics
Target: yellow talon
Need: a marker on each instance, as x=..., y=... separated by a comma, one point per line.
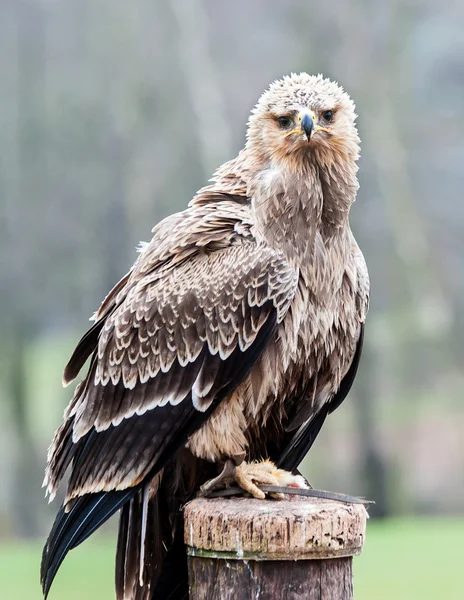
x=247, y=475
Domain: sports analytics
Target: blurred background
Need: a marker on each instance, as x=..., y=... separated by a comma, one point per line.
x=112, y=115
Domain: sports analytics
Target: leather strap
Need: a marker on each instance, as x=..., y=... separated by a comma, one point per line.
x=277, y=489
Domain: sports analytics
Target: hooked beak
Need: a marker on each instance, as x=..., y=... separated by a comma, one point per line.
x=307, y=125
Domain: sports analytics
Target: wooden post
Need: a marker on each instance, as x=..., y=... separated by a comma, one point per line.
x=293, y=549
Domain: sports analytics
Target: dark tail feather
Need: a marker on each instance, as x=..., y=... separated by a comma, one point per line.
x=173, y=580
x=140, y=551
x=73, y=527
x=182, y=477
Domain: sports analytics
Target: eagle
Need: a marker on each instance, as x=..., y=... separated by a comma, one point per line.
x=235, y=334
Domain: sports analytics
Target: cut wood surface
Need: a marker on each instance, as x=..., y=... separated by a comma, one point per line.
x=295, y=548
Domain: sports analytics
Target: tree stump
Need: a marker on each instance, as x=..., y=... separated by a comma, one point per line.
x=293, y=549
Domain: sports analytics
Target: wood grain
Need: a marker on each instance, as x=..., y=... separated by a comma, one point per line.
x=297, y=548
x=216, y=579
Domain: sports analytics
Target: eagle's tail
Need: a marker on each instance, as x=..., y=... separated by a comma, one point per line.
x=75, y=523
x=140, y=550
x=151, y=562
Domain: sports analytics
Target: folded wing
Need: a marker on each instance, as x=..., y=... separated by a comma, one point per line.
x=176, y=339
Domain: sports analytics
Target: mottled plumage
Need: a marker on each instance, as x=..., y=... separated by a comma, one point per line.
x=236, y=332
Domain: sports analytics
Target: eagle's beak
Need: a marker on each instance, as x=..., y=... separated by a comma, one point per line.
x=307, y=125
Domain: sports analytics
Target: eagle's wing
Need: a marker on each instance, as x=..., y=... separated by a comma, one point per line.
x=179, y=336
x=297, y=443
x=305, y=423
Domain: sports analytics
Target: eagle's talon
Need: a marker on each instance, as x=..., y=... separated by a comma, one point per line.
x=248, y=476
x=223, y=480
x=266, y=473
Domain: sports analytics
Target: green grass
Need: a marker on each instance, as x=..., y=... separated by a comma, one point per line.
x=407, y=559
x=411, y=559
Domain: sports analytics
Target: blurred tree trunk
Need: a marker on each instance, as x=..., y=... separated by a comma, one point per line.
x=27, y=475
x=211, y=125
x=30, y=54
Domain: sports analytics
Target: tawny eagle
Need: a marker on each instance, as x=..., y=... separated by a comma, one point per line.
x=237, y=331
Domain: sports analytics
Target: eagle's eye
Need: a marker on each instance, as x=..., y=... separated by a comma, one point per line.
x=327, y=115
x=284, y=122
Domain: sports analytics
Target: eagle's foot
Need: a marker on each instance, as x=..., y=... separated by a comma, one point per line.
x=223, y=480
x=249, y=475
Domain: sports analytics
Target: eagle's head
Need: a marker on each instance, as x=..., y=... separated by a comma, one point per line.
x=302, y=119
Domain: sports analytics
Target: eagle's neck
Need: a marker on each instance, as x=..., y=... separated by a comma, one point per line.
x=302, y=213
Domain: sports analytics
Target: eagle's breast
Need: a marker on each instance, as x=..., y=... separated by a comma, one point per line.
x=305, y=363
